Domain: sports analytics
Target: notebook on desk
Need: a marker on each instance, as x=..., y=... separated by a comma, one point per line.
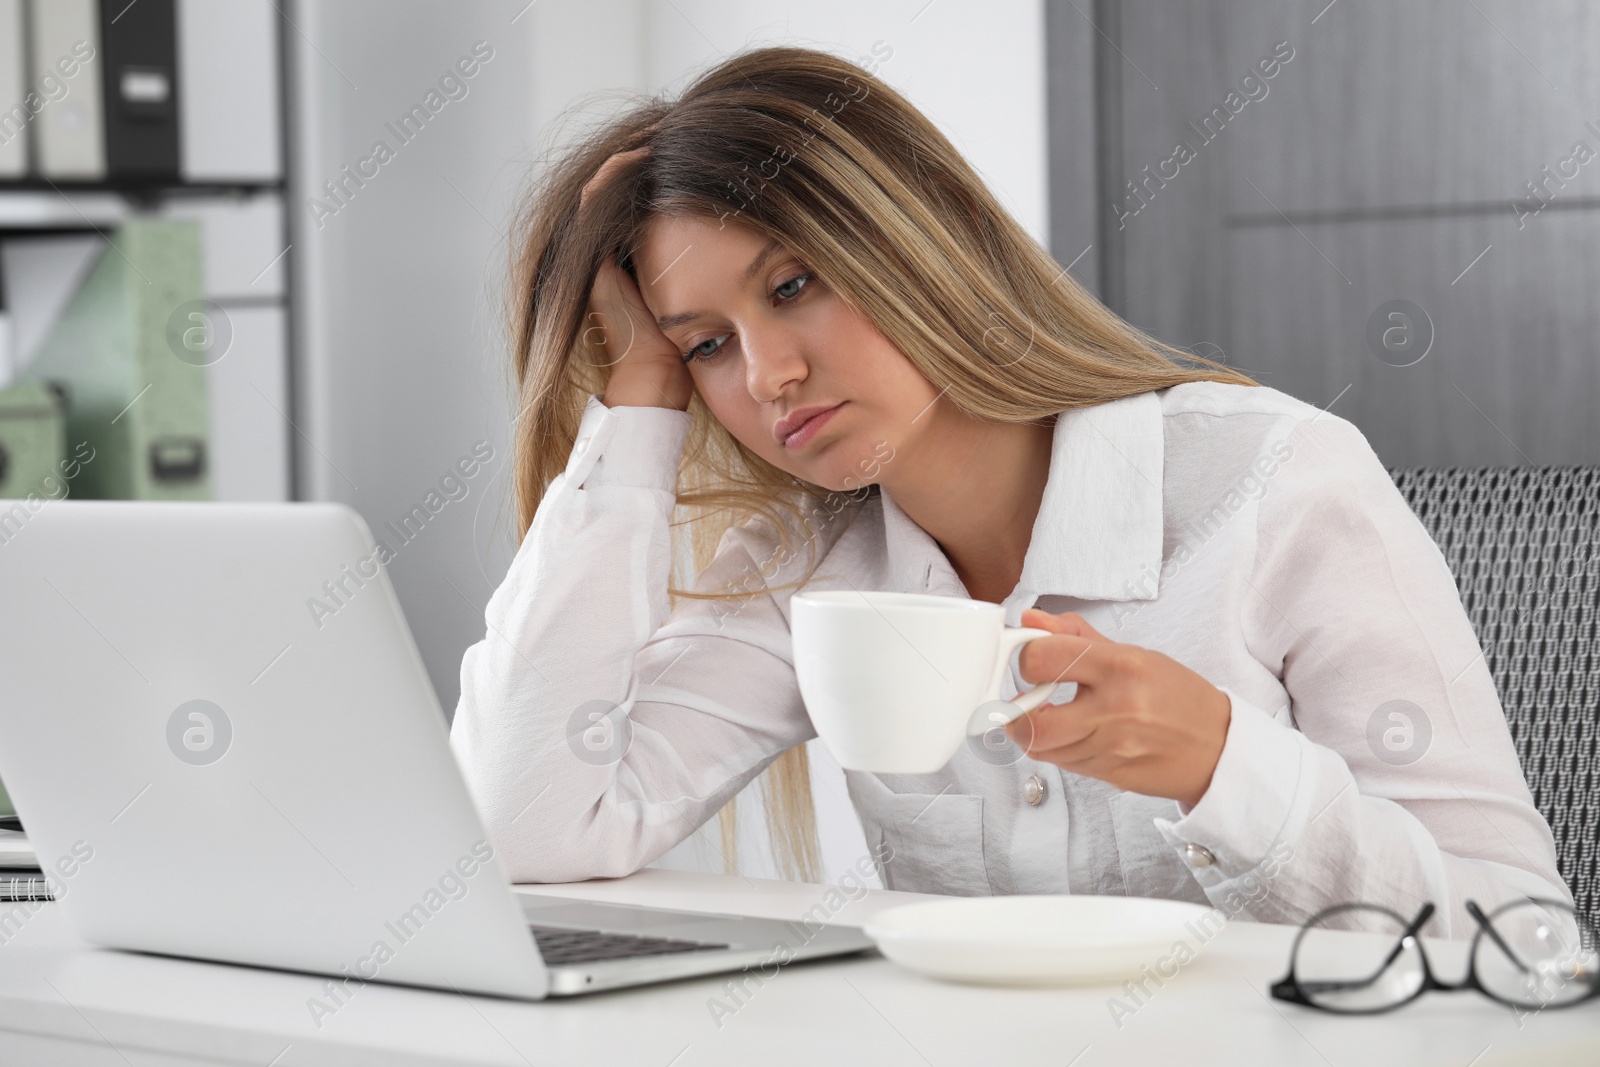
x=211, y=771
x=23, y=883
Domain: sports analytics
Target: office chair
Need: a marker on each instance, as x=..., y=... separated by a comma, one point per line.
x=1524, y=546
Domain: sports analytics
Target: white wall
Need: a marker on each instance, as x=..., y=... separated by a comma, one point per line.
x=400, y=362
x=975, y=68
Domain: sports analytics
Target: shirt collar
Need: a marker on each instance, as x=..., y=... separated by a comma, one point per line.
x=1098, y=534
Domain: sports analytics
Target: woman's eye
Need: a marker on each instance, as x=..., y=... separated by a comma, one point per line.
x=701, y=352
x=797, y=282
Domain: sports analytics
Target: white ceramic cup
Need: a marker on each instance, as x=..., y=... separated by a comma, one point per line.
x=895, y=682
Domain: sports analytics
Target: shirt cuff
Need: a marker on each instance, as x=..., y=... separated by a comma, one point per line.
x=628, y=445
x=1242, y=815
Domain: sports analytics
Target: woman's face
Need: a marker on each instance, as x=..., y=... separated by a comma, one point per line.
x=766, y=340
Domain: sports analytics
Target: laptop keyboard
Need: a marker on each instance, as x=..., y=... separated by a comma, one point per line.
x=564, y=944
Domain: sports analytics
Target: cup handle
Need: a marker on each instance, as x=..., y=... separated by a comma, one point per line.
x=982, y=721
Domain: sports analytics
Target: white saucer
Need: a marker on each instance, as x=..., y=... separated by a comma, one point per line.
x=1040, y=940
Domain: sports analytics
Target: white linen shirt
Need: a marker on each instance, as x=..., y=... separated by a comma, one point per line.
x=1242, y=532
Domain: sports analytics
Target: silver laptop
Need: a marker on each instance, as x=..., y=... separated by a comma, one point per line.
x=222, y=743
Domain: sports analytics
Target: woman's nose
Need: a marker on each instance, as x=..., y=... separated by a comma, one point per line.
x=773, y=362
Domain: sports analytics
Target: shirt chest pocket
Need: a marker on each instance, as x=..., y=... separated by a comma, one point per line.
x=925, y=842
x=1150, y=866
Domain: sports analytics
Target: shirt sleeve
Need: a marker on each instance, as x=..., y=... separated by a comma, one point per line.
x=595, y=729
x=1391, y=776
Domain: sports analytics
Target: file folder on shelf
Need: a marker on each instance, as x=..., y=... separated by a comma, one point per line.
x=131, y=351
x=229, y=87
x=69, y=132
x=32, y=446
x=148, y=92
x=14, y=113
x=141, y=89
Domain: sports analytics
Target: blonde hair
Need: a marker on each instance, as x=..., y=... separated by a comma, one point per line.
x=813, y=150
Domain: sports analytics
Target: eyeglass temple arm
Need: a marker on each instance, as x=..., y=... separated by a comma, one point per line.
x=1494, y=935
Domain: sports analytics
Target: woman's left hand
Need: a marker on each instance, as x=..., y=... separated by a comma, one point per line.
x=1140, y=720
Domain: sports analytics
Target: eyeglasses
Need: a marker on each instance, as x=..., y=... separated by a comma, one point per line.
x=1532, y=953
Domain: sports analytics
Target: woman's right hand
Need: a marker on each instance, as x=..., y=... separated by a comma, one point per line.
x=645, y=368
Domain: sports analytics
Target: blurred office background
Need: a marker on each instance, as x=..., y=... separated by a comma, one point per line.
x=1386, y=209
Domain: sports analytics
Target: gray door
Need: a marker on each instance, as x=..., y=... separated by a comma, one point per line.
x=1390, y=207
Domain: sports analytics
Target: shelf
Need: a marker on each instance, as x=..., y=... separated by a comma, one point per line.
x=138, y=188
x=32, y=210
x=85, y=210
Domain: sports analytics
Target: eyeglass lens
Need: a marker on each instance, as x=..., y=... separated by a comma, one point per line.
x=1542, y=956
x=1373, y=969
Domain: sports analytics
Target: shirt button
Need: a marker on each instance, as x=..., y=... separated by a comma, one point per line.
x=1034, y=790
x=1198, y=855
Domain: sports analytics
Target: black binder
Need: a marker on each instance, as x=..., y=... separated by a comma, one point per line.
x=140, y=83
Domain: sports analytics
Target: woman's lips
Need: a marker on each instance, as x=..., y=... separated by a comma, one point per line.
x=810, y=428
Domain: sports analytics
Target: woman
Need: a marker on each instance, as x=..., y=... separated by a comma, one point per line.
x=785, y=303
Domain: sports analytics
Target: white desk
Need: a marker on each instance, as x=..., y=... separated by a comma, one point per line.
x=62, y=1002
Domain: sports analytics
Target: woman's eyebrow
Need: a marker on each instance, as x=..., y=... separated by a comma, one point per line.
x=761, y=257
x=667, y=322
